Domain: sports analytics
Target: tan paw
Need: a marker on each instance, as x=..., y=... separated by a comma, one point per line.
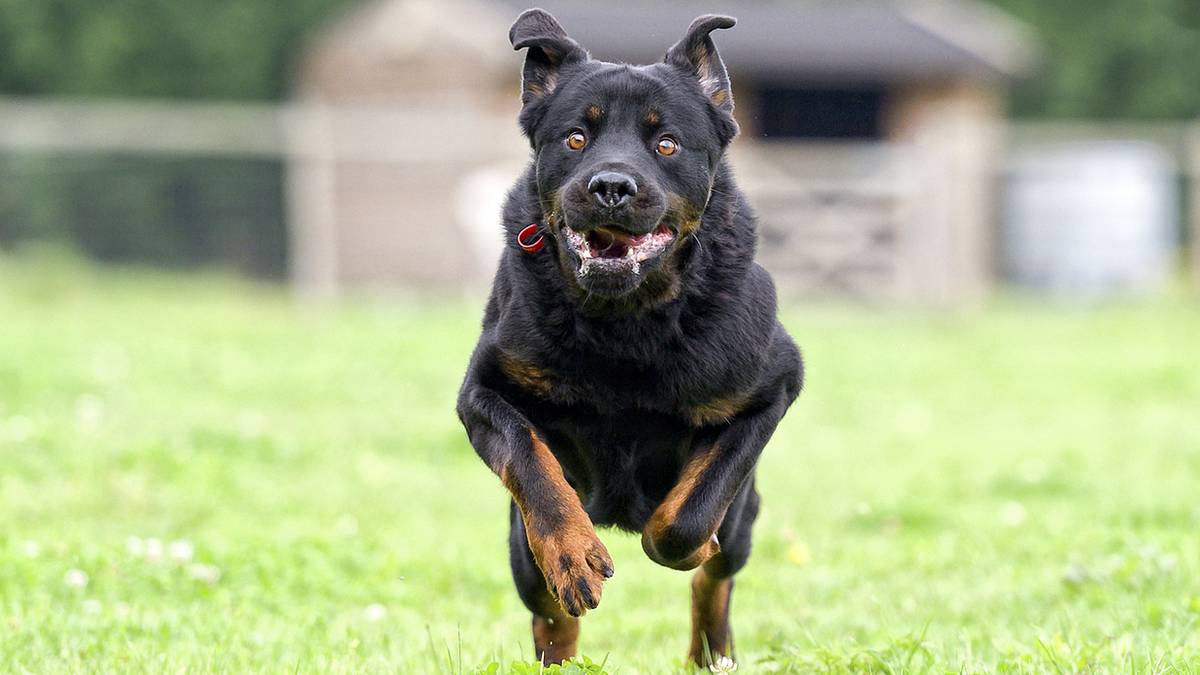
x=575, y=564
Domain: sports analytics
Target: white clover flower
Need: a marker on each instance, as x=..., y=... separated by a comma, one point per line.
x=92, y=607
x=20, y=428
x=135, y=546
x=723, y=665
x=181, y=551
x=375, y=612
x=251, y=424
x=31, y=548
x=154, y=549
x=209, y=574
x=346, y=525
x=89, y=411
x=76, y=578
x=110, y=363
x=1012, y=514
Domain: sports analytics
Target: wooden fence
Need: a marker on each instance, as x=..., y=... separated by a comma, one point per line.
x=869, y=220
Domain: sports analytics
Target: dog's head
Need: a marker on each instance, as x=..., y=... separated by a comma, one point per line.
x=625, y=155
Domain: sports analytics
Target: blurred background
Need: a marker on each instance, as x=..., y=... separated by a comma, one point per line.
x=912, y=152
x=244, y=251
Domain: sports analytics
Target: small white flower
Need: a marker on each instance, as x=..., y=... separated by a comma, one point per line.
x=251, y=424
x=20, y=428
x=375, y=612
x=135, y=546
x=92, y=607
x=181, y=551
x=723, y=665
x=89, y=411
x=346, y=525
x=154, y=549
x=110, y=363
x=76, y=578
x=209, y=574
x=31, y=548
x=1012, y=514
x=1076, y=574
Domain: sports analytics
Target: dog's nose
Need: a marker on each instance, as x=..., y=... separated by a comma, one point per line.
x=612, y=189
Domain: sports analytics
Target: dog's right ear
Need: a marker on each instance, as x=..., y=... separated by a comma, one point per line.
x=549, y=50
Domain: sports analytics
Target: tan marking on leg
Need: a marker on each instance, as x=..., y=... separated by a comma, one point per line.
x=555, y=637
x=526, y=375
x=710, y=618
x=717, y=410
x=668, y=511
x=561, y=537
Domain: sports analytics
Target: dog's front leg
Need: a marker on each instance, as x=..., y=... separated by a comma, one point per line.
x=560, y=535
x=681, y=534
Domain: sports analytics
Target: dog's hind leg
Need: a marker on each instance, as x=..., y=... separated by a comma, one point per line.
x=712, y=584
x=555, y=633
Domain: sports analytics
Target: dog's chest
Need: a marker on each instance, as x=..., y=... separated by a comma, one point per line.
x=697, y=386
x=621, y=464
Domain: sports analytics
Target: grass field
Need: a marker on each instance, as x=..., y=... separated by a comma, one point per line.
x=197, y=475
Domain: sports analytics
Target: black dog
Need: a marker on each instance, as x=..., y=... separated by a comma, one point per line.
x=631, y=367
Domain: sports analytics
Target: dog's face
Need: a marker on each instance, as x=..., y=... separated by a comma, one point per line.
x=625, y=155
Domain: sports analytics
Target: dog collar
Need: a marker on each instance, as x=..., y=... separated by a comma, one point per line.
x=527, y=242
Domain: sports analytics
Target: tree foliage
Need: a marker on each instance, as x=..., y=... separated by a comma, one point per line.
x=1115, y=59
x=239, y=49
x=1102, y=59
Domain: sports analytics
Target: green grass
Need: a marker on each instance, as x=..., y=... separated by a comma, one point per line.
x=1012, y=489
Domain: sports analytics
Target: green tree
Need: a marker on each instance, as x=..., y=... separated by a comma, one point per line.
x=1112, y=59
x=1133, y=59
x=226, y=49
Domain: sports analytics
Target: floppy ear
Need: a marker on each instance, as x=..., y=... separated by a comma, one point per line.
x=549, y=50
x=697, y=54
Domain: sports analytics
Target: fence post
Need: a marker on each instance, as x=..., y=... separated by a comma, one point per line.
x=1192, y=173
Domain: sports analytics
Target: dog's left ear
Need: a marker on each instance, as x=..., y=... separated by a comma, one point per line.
x=697, y=54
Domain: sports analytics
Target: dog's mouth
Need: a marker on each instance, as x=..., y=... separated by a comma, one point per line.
x=613, y=247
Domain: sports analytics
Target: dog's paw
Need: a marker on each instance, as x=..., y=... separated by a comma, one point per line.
x=576, y=566
x=675, y=547
x=700, y=555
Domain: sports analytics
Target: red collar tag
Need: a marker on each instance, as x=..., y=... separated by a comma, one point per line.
x=527, y=242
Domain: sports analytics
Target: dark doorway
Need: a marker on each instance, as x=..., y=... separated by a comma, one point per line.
x=792, y=112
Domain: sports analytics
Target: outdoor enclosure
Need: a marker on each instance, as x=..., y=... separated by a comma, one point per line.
x=387, y=170
x=245, y=248
x=346, y=197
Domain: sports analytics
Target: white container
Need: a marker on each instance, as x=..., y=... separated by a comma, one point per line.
x=1090, y=220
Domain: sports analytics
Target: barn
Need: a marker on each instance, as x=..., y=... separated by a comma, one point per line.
x=870, y=137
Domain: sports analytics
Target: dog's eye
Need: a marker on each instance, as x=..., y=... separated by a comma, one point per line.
x=666, y=146
x=576, y=140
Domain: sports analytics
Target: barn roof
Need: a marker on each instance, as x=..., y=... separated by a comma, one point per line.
x=814, y=39
x=783, y=40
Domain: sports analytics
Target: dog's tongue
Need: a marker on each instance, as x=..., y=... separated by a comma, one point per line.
x=607, y=243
